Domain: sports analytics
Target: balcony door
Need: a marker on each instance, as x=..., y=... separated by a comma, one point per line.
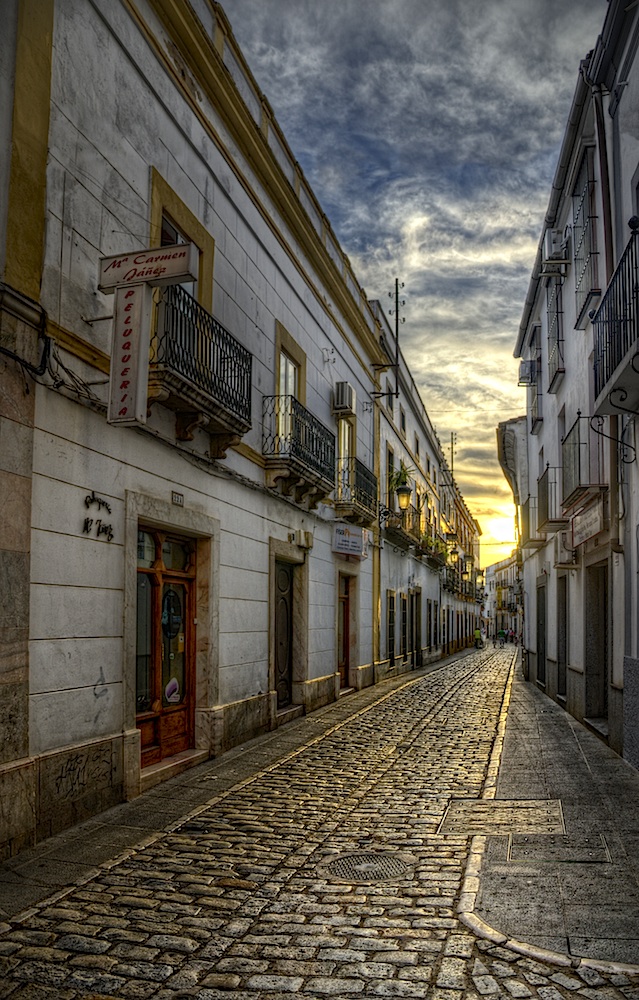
x=165, y=661
x=171, y=235
x=345, y=463
x=288, y=390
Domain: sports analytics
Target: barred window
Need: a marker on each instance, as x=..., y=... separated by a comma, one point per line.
x=584, y=239
x=555, y=315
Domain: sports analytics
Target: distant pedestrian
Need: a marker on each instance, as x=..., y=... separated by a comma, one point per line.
x=502, y=637
x=478, y=642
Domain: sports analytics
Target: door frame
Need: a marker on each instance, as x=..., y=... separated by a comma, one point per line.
x=148, y=510
x=280, y=551
x=286, y=569
x=157, y=717
x=597, y=641
x=541, y=633
x=344, y=632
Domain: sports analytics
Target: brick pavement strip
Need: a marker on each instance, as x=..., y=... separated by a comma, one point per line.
x=242, y=895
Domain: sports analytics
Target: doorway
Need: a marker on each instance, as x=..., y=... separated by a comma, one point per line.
x=165, y=646
x=562, y=635
x=416, y=622
x=541, y=635
x=597, y=642
x=343, y=629
x=283, y=633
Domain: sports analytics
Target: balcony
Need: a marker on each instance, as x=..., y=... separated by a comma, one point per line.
x=299, y=451
x=556, y=370
x=549, y=515
x=616, y=329
x=536, y=414
x=529, y=535
x=583, y=463
x=199, y=370
x=401, y=527
x=356, y=492
x=452, y=580
x=433, y=549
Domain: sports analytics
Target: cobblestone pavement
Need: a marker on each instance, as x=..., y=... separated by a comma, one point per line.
x=322, y=874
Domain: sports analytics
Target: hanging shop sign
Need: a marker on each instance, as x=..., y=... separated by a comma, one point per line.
x=129, y=377
x=161, y=266
x=132, y=277
x=588, y=523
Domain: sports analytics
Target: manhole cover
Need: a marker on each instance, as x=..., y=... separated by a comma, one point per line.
x=497, y=817
x=363, y=867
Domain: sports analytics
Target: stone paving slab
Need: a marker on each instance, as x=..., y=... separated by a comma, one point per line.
x=576, y=893
x=273, y=882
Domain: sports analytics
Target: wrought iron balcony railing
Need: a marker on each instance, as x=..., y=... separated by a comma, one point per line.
x=556, y=368
x=549, y=516
x=292, y=434
x=433, y=547
x=529, y=534
x=452, y=579
x=555, y=315
x=582, y=452
x=616, y=322
x=199, y=370
x=536, y=414
x=356, y=490
x=401, y=526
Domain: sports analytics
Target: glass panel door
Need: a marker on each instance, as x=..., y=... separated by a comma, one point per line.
x=173, y=643
x=165, y=660
x=144, y=652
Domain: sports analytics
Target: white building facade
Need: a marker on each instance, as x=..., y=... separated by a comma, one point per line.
x=192, y=401
x=577, y=344
x=429, y=551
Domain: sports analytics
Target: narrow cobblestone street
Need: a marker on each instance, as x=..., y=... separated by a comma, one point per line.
x=321, y=873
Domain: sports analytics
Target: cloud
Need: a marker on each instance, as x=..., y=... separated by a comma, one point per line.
x=429, y=133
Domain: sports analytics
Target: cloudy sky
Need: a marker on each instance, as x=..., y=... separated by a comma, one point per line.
x=429, y=131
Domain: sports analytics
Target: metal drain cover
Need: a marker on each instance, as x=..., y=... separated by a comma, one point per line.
x=364, y=867
x=498, y=817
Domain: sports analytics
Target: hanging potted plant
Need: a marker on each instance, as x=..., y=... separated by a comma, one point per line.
x=398, y=483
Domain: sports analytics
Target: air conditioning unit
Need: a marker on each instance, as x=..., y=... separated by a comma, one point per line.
x=554, y=245
x=528, y=372
x=343, y=399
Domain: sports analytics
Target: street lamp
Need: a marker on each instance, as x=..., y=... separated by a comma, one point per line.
x=403, y=494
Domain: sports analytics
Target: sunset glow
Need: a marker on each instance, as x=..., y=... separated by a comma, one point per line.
x=430, y=132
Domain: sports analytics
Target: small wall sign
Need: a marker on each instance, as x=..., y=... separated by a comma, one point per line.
x=349, y=540
x=97, y=525
x=588, y=523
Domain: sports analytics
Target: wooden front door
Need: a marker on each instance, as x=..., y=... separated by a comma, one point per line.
x=283, y=633
x=165, y=702
x=343, y=630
